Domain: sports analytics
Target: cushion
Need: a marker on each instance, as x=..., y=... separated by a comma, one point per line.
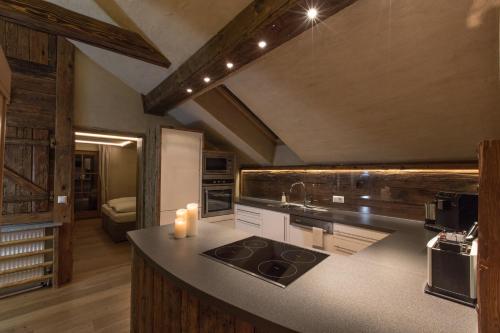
x=117, y=200
x=118, y=217
x=124, y=206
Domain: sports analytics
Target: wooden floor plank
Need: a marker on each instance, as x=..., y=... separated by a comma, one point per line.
x=98, y=299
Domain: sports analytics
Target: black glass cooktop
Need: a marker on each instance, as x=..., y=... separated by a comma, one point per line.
x=275, y=262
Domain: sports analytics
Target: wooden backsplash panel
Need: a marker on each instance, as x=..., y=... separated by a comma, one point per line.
x=399, y=193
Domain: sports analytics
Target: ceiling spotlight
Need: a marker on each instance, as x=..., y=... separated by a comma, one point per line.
x=189, y=90
x=312, y=13
x=262, y=44
x=229, y=65
x=206, y=79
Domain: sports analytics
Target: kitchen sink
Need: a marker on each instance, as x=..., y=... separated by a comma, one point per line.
x=298, y=207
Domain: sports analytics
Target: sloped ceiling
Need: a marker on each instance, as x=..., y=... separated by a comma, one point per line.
x=176, y=27
x=382, y=81
x=193, y=115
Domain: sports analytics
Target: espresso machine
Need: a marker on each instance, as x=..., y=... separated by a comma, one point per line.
x=452, y=254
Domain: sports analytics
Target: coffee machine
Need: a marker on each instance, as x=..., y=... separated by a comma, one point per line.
x=452, y=254
x=451, y=211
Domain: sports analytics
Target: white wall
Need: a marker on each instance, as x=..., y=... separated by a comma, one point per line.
x=122, y=179
x=103, y=101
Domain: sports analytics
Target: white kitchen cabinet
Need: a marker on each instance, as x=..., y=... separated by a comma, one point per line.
x=261, y=222
x=251, y=228
x=180, y=172
x=303, y=237
x=346, y=240
x=248, y=219
x=274, y=225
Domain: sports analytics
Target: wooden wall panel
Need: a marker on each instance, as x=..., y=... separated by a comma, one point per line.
x=159, y=305
x=28, y=45
x=386, y=192
x=30, y=121
x=5, y=89
x=39, y=138
x=39, y=47
x=489, y=237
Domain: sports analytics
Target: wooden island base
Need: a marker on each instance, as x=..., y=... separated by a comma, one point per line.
x=160, y=305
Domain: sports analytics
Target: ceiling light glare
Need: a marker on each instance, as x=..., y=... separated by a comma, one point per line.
x=312, y=13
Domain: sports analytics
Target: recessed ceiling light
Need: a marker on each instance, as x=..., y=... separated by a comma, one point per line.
x=104, y=143
x=189, y=90
x=106, y=136
x=262, y=44
x=229, y=65
x=312, y=13
x=206, y=79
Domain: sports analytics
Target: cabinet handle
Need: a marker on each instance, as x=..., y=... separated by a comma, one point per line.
x=284, y=228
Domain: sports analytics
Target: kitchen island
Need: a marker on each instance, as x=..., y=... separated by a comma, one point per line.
x=380, y=289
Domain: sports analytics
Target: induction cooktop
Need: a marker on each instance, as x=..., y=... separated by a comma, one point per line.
x=276, y=262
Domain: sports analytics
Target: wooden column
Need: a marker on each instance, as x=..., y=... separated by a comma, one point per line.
x=63, y=180
x=489, y=237
x=152, y=177
x=5, y=83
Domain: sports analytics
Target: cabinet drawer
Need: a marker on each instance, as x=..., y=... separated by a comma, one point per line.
x=249, y=214
x=251, y=228
x=359, y=233
x=248, y=209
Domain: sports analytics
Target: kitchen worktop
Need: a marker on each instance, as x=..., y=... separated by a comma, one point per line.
x=379, y=289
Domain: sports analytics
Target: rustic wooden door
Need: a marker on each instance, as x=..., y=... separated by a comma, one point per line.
x=29, y=156
x=39, y=141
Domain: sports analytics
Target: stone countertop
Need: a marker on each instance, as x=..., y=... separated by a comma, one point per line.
x=403, y=249
x=379, y=289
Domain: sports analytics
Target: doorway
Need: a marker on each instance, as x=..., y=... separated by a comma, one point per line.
x=108, y=177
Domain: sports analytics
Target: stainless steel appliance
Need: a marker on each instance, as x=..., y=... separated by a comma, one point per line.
x=452, y=266
x=452, y=254
x=275, y=262
x=218, y=165
x=308, y=223
x=218, y=197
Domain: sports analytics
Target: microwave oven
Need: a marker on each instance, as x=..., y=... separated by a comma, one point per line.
x=218, y=165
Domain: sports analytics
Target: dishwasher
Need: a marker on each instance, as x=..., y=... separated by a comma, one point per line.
x=300, y=232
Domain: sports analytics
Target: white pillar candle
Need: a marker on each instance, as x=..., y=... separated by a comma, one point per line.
x=192, y=219
x=180, y=228
x=181, y=213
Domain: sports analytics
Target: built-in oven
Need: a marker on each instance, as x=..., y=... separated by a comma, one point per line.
x=218, y=197
x=218, y=164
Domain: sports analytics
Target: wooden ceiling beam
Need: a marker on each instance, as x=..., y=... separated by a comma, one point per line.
x=275, y=21
x=53, y=19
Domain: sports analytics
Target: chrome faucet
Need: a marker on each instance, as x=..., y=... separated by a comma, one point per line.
x=304, y=187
